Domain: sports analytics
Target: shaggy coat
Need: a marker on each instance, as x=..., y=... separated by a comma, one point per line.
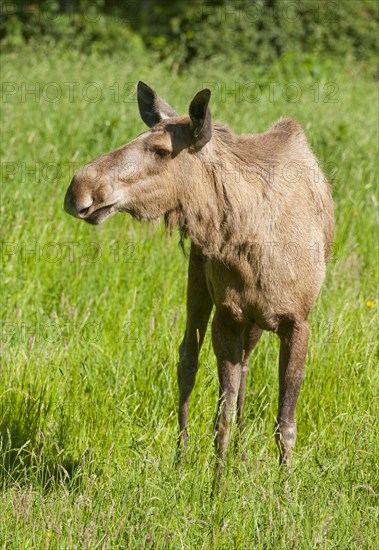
x=259, y=214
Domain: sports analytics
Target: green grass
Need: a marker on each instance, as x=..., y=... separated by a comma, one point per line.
x=90, y=332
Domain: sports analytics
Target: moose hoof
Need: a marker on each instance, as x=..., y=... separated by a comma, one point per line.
x=285, y=435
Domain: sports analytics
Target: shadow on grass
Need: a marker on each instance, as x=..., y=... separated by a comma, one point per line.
x=31, y=448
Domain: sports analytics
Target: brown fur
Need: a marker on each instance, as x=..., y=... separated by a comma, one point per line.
x=259, y=214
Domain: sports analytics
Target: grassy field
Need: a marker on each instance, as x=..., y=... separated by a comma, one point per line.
x=92, y=319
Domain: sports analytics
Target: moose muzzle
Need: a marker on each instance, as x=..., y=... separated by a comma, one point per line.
x=85, y=202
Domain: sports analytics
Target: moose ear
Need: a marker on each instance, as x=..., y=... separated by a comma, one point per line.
x=200, y=116
x=151, y=107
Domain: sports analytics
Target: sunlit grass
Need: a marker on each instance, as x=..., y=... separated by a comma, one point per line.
x=92, y=318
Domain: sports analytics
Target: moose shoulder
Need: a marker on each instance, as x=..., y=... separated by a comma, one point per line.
x=259, y=214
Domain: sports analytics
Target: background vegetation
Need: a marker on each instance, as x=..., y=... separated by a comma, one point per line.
x=92, y=317
x=224, y=31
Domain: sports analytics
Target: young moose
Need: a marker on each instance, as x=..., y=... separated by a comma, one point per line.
x=259, y=214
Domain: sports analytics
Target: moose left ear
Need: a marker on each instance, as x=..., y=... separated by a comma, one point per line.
x=200, y=116
x=151, y=107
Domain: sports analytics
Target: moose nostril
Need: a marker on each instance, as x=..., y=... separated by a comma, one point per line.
x=82, y=209
x=82, y=212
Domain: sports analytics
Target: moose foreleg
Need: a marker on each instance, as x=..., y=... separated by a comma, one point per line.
x=199, y=307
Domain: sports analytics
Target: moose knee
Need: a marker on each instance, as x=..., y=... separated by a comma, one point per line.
x=182, y=348
x=188, y=365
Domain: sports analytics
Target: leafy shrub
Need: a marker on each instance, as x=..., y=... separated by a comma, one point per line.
x=259, y=32
x=84, y=29
x=229, y=32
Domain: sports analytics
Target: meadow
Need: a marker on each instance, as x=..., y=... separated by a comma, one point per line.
x=92, y=319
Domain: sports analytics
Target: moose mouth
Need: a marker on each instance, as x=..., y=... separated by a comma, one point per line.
x=101, y=214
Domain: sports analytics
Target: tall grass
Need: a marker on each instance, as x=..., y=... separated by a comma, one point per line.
x=92, y=318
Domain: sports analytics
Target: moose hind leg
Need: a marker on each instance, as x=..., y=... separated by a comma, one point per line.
x=228, y=345
x=252, y=336
x=293, y=351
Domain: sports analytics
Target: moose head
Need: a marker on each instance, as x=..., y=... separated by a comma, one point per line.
x=142, y=177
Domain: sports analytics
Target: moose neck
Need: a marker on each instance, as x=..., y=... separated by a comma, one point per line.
x=212, y=211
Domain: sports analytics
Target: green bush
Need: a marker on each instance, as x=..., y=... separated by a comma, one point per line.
x=84, y=29
x=261, y=31
x=229, y=32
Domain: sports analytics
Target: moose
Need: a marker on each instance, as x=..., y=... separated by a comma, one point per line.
x=258, y=212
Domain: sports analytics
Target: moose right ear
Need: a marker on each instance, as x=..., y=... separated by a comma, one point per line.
x=151, y=107
x=201, y=121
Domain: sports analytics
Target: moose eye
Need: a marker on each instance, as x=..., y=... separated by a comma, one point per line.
x=163, y=153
